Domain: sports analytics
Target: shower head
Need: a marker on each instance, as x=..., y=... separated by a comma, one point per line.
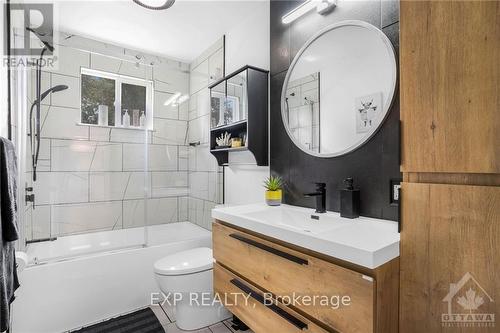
x=54, y=89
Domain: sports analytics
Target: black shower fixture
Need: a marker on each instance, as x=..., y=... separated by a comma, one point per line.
x=36, y=135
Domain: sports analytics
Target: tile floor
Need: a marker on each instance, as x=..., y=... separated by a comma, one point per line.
x=166, y=316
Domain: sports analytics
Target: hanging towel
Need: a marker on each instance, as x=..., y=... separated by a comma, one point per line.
x=8, y=230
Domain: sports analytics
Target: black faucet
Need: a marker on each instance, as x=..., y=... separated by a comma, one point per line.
x=320, y=195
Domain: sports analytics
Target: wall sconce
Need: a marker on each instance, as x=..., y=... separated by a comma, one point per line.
x=322, y=7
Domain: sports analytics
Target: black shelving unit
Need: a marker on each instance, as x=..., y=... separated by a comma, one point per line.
x=255, y=122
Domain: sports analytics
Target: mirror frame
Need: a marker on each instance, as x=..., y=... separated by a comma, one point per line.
x=392, y=53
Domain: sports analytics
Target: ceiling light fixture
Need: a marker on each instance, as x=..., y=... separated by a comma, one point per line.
x=167, y=4
x=322, y=7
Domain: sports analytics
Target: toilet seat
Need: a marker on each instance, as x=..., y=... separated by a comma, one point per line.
x=185, y=262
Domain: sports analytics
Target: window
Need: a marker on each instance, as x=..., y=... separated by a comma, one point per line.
x=109, y=99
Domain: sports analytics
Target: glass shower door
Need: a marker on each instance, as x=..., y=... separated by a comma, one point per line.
x=87, y=192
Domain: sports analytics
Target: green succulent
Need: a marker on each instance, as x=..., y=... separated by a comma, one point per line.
x=273, y=183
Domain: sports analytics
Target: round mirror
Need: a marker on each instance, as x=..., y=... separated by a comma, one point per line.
x=339, y=89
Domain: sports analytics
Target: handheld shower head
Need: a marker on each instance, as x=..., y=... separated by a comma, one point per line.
x=35, y=137
x=54, y=89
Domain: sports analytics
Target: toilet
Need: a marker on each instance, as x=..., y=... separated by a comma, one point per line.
x=189, y=274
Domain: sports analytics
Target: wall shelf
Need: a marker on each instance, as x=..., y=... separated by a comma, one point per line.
x=116, y=127
x=237, y=123
x=241, y=100
x=229, y=149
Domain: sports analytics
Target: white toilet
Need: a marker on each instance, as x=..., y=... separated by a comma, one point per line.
x=190, y=274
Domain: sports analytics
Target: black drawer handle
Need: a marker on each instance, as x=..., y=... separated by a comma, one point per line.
x=269, y=249
x=276, y=309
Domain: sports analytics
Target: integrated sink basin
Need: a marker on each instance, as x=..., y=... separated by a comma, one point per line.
x=297, y=219
x=363, y=241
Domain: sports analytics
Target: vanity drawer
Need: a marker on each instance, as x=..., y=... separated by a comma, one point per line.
x=286, y=272
x=247, y=302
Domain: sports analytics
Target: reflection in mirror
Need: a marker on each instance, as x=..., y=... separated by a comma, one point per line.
x=302, y=107
x=339, y=89
x=236, y=98
x=229, y=102
x=217, y=98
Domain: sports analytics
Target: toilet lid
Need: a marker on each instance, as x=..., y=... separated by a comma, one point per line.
x=185, y=262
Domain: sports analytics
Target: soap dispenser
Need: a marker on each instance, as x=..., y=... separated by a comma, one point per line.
x=349, y=200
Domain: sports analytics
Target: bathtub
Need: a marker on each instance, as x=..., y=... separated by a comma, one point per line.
x=82, y=279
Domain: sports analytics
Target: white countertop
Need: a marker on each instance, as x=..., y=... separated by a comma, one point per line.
x=363, y=241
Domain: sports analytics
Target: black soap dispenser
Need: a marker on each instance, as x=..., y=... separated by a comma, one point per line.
x=349, y=200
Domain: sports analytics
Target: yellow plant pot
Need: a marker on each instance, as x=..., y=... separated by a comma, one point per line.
x=273, y=198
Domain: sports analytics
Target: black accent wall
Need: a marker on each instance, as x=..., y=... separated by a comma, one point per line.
x=374, y=164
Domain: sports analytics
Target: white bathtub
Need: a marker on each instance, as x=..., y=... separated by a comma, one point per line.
x=78, y=284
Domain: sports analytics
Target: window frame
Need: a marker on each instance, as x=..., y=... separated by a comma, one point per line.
x=119, y=80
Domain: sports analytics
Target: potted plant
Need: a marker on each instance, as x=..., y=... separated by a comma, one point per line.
x=273, y=185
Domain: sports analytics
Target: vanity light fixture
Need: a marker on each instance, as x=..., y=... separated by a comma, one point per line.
x=322, y=7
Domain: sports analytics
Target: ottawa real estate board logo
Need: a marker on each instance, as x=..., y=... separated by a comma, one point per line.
x=467, y=302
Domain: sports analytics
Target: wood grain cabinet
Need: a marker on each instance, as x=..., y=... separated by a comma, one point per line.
x=450, y=86
x=329, y=296
x=454, y=239
x=450, y=199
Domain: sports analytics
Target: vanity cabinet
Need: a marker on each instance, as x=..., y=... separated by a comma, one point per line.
x=344, y=297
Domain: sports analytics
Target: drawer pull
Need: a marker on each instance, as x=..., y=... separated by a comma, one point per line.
x=276, y=309
x=269, y=249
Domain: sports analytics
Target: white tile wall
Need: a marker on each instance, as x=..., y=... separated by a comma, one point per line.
x=137, y=185
x=198, y=185
x=167, y=131
x=77, y=218
x=172, y=77
x=159, y=210
x=45, y=84
x=183, y=158
x=61, y=187
x=71, y=155
x=69, y=98
x=131, y=69
x=130, y=135
x=161, y=157
x=41, y=227
x=103, y=63
x=216, y=65
x=165, y=111
x=61, y=123
x=106, y=186
x=205, y=189
x=169, y=183
x=70, y=60
x=107, y=157
x=199, y=77
x=89, y=176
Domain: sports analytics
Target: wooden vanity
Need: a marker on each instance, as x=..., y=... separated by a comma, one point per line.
x=331, y=295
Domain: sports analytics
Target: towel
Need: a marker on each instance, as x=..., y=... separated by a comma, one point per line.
x=8, y=230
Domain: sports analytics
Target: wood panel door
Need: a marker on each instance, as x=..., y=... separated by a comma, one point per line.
x=450, y=86
x=450, y=235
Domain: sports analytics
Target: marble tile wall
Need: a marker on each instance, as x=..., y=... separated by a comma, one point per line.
x=92, y=178
x=204, y=175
